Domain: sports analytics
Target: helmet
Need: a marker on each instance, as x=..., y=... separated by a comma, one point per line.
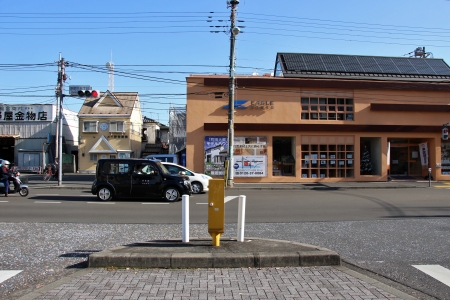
x=6, y=162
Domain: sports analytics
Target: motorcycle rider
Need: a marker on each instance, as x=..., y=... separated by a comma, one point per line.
x=13, y=177
x=4, y=172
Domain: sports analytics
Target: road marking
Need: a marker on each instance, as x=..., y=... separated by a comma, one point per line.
x=101, y=202
x=226, y=199
x=47, y=195
x=47, y=202
x=4, y=201
x=436, y=271
x=153, y=203
x=229, y=198
x=5, y=275
x=86, y=195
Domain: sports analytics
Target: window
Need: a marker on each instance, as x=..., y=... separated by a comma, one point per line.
x=93, y=157
x=117, y=126
x=90, y=126
x=327, y=157
x=327, y=109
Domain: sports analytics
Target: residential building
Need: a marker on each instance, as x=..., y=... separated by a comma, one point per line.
x=110, y=127
x=155, y=137
x=324, y=117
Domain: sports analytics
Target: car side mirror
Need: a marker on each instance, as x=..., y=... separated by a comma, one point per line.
x=182, y=173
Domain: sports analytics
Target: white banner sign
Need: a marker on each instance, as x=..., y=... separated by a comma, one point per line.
x=424, y=153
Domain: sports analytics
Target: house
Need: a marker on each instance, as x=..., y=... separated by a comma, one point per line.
x=155, y=137
x=28, y=131
x=110, y=127
x=326, y=117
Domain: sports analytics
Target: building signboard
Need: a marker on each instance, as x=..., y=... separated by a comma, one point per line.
x=249, y=155
x=25, y=113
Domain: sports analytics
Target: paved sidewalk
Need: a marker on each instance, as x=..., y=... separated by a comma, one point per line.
x=237, y=283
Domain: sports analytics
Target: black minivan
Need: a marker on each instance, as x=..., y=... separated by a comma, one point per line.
x=137, y=178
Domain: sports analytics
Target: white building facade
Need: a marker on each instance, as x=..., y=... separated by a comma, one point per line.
x=28, y=131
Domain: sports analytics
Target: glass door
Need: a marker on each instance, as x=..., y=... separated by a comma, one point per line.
x=415, y=164
x=399, y=160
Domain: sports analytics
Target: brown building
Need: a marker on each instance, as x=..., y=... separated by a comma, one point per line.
x=324, y=118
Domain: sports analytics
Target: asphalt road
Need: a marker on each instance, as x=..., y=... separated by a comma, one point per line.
x=381, y=231
x=72, y=205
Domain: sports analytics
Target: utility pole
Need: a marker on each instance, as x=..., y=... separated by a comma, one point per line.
x=231, y=87
x=60, y=91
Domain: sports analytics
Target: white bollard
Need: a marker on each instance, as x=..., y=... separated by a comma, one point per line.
x=185, y=218
x=241, y=219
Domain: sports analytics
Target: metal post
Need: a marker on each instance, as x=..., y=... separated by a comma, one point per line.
x=185, y=218
x=233, y=32
x=429, y=177
x=241, y=218
x=61, y=78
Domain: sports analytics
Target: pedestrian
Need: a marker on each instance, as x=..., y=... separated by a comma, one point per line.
x=4, y=172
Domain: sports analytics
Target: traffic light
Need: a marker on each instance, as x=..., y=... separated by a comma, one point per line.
x=445, y=133
x=89, y=93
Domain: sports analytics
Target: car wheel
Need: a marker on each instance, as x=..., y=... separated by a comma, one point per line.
x=171, y=194
x=104, y=194
x=197, y=187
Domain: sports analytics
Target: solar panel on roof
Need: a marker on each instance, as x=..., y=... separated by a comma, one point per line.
x=369, y=64
x=351, y=64
x=439, y=66
x=333, y=64
x=301, y=62
x=387, y=66
x=314, y=62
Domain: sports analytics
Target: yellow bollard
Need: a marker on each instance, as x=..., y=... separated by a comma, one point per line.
x=216, y=209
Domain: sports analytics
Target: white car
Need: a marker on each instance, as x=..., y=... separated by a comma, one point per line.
x=199, y=181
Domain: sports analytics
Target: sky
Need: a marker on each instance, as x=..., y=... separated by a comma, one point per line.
x=155, y=45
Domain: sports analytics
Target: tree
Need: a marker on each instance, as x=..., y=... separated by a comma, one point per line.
x=366, y=163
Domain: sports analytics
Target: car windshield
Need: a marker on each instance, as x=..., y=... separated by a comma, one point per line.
x=164, y=170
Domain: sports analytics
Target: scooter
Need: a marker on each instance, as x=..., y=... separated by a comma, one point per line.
x=22, y=190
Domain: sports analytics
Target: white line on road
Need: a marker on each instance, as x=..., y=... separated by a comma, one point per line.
x=101, y=202
x=5, y=275
x=4, y=201
x=153, y=203
x=47, y=195
x=47, y=202
x=228, y=198
x=436, y=271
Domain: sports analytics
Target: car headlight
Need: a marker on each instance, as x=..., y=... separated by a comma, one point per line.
x=186, y=183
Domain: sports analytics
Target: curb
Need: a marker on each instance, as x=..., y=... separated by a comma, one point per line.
x=252, y=253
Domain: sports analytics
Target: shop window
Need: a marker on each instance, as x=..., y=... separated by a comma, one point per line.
x=328, y=108
x=370, y=156
x=445, y=158
x=283, y=162
x=327, y=157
